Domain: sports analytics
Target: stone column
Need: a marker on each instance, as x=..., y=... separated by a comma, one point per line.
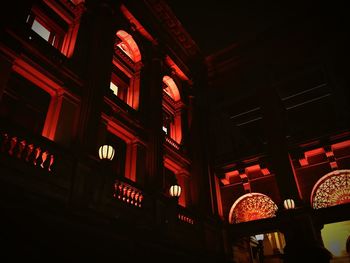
x=274, y=123
x=198, y=140
x=93, y=59
x=302, y=232
x=154, y=119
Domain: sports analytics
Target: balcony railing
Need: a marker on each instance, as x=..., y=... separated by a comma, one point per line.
x=34, y=163
x=25, y=148
x=185, y=216
x=127, y=193
x=172, y=143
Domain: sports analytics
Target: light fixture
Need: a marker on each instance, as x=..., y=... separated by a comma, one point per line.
x=289, y=204
x=106, y=152
x=175, y=190
x=259, y=237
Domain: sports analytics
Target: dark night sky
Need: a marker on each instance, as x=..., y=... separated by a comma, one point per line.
x=214, y=25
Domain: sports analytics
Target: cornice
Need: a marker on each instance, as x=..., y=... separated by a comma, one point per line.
x=168, y=19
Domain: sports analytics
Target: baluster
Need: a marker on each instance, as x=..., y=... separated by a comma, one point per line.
x=140, y=200
x=132, y=196
x=13, y=143
x=125, y=189
x=136, y=198
x=128, y=195
x=21, y=147
x=30, y=149
x=115, y=190
x=43, y=158
x=120, y=191
x=51, y=162
x=37, y=152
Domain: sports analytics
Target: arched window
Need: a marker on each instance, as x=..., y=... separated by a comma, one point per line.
x=252, y=206
x=332, y=189
x=128, y=45
x=125, y=79
x=172, y=127
x=172, y=110
x=170, y=88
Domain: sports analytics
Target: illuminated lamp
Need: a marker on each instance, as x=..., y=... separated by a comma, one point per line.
x=259, y=237
x=106, y=152
x=289, y=204
x=175, y=190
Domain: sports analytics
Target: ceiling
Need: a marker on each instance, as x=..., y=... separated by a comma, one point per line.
x=299, y=39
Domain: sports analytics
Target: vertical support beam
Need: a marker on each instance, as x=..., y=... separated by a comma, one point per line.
x=202, y=184
x=94, y=61
x=155, y=120
x=274, y=119
x=301, y=230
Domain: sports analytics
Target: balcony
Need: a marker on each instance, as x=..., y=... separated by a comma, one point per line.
x=34, y=163
x=173, y=144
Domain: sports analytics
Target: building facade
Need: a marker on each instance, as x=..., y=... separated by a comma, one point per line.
x=108, y=109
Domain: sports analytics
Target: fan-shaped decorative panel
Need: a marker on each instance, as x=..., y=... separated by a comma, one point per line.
x=252, y=206
x=332, y=189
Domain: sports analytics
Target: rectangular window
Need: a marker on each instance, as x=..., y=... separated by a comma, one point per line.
x=167, y=120
x=114, y=88
x=48, y=23
x=41, y=30
x=119, y=84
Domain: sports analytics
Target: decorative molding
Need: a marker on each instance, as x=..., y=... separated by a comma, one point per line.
x=167, y=18
x=252, y=206
x=332, y=189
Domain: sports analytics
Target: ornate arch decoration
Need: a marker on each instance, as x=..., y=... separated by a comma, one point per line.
x=332, y=189
x=252, y=206
x=171, y=88
x=129, y=46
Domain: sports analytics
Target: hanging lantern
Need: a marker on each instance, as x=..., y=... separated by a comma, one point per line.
x=175, y=190
x=106, y=152
x=289, y=204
